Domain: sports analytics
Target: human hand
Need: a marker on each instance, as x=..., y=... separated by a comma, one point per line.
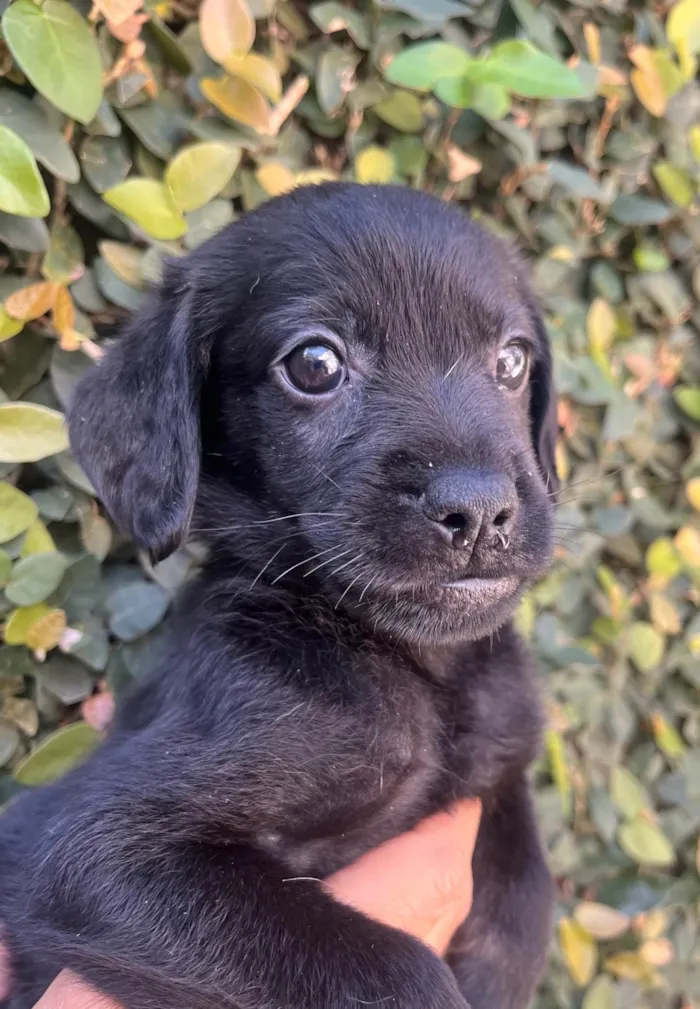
x=420, y=882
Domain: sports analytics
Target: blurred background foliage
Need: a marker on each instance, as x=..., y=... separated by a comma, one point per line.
x=131, y=130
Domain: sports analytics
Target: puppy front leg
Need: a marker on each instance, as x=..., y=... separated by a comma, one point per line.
x=498, y=955
x=218, y=926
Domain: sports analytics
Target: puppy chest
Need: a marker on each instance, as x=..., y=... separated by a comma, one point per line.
x=368, y=777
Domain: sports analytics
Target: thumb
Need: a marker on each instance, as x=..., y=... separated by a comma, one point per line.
x=420, y=882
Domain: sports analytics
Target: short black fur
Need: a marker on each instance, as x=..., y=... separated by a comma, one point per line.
x=323, y=690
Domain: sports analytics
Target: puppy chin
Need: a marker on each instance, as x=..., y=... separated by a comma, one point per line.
x=461, y=612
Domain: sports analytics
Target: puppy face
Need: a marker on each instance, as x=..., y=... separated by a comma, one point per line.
x=350, y=391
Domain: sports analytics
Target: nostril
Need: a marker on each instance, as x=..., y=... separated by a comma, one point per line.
x=455, y=522
x=503, y=518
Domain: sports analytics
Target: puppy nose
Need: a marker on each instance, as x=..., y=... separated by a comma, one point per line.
x=467, y=503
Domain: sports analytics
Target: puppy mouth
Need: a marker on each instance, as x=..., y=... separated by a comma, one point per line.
x=482, y=590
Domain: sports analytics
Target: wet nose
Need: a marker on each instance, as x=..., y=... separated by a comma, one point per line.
x=466, y=503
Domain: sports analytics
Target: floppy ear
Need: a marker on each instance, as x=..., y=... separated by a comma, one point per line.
x=134, y=420
x=543, y=405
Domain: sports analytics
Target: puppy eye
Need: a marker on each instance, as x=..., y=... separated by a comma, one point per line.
x=314, y=369
x=512, y=365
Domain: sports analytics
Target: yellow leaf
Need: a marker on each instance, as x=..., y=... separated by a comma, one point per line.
x=38, y=540
x=683, y=25
x=199, y=172
x=226, y=28
x=600, y=327
x=258, y=71
x=71, y=340
x=592, y=36
x=687, y=542
x=45, y=633
x=315, y=177
x=559, y=767
x=29, y=432
x=664, y=616
x=651, y=924
x=238, y=100
x=149, y=205
x=8, y=326
x=580, y=951
x=562, y=460
x=374, y=164
x=687, y=60
x=600, y=324
x=675, y=182
x=124, y=260
x=275, y=178
x=646, y=80
x=692, y=492
x=63, y=315
x=31, y=302
x=601, y=921
x=21, y=620
x=630, y=967
x=657, y=952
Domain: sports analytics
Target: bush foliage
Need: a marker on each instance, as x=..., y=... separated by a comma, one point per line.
x=131, y=130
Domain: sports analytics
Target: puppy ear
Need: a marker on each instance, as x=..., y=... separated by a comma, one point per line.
x=134, y=421
x=543, y=406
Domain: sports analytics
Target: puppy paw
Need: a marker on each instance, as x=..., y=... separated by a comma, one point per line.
x=405, y=975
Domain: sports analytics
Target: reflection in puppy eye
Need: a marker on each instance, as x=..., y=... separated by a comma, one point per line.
x=511, y=367
x=315, y=369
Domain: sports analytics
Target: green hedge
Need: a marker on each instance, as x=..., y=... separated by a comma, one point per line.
x=132, y=131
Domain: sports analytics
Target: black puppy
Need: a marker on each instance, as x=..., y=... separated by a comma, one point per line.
x=347, y=394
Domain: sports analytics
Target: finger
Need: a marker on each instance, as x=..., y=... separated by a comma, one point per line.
x=69, y=992
x=4, y=973
x=421, y=881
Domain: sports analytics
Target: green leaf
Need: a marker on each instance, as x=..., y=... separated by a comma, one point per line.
x=601, y=994
x=402, y=110
x=576, y=180
x=675, y=183
x=35, y=578
x=149, y=205
x=55, y=48
x=524, y=70
x=65, y=679
x=421, y=66
x=628, y=793
x=646, y=646
x=22, y=189
x=646, y=844
x=47, y=144
x=136, y=609
x=57, y=754
x=29, y=432
x=639, y=210
x=106, y=161
x=17, y=512
x=197, y=174
x=688, y=399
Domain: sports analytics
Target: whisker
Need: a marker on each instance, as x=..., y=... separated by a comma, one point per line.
x=324, y=474
x=452, y=368
x=262, y=571
x=265, y=522
x=306, y=560
x=329, y=561
x=347, y=563
x=367, y=586
x=356, y=578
